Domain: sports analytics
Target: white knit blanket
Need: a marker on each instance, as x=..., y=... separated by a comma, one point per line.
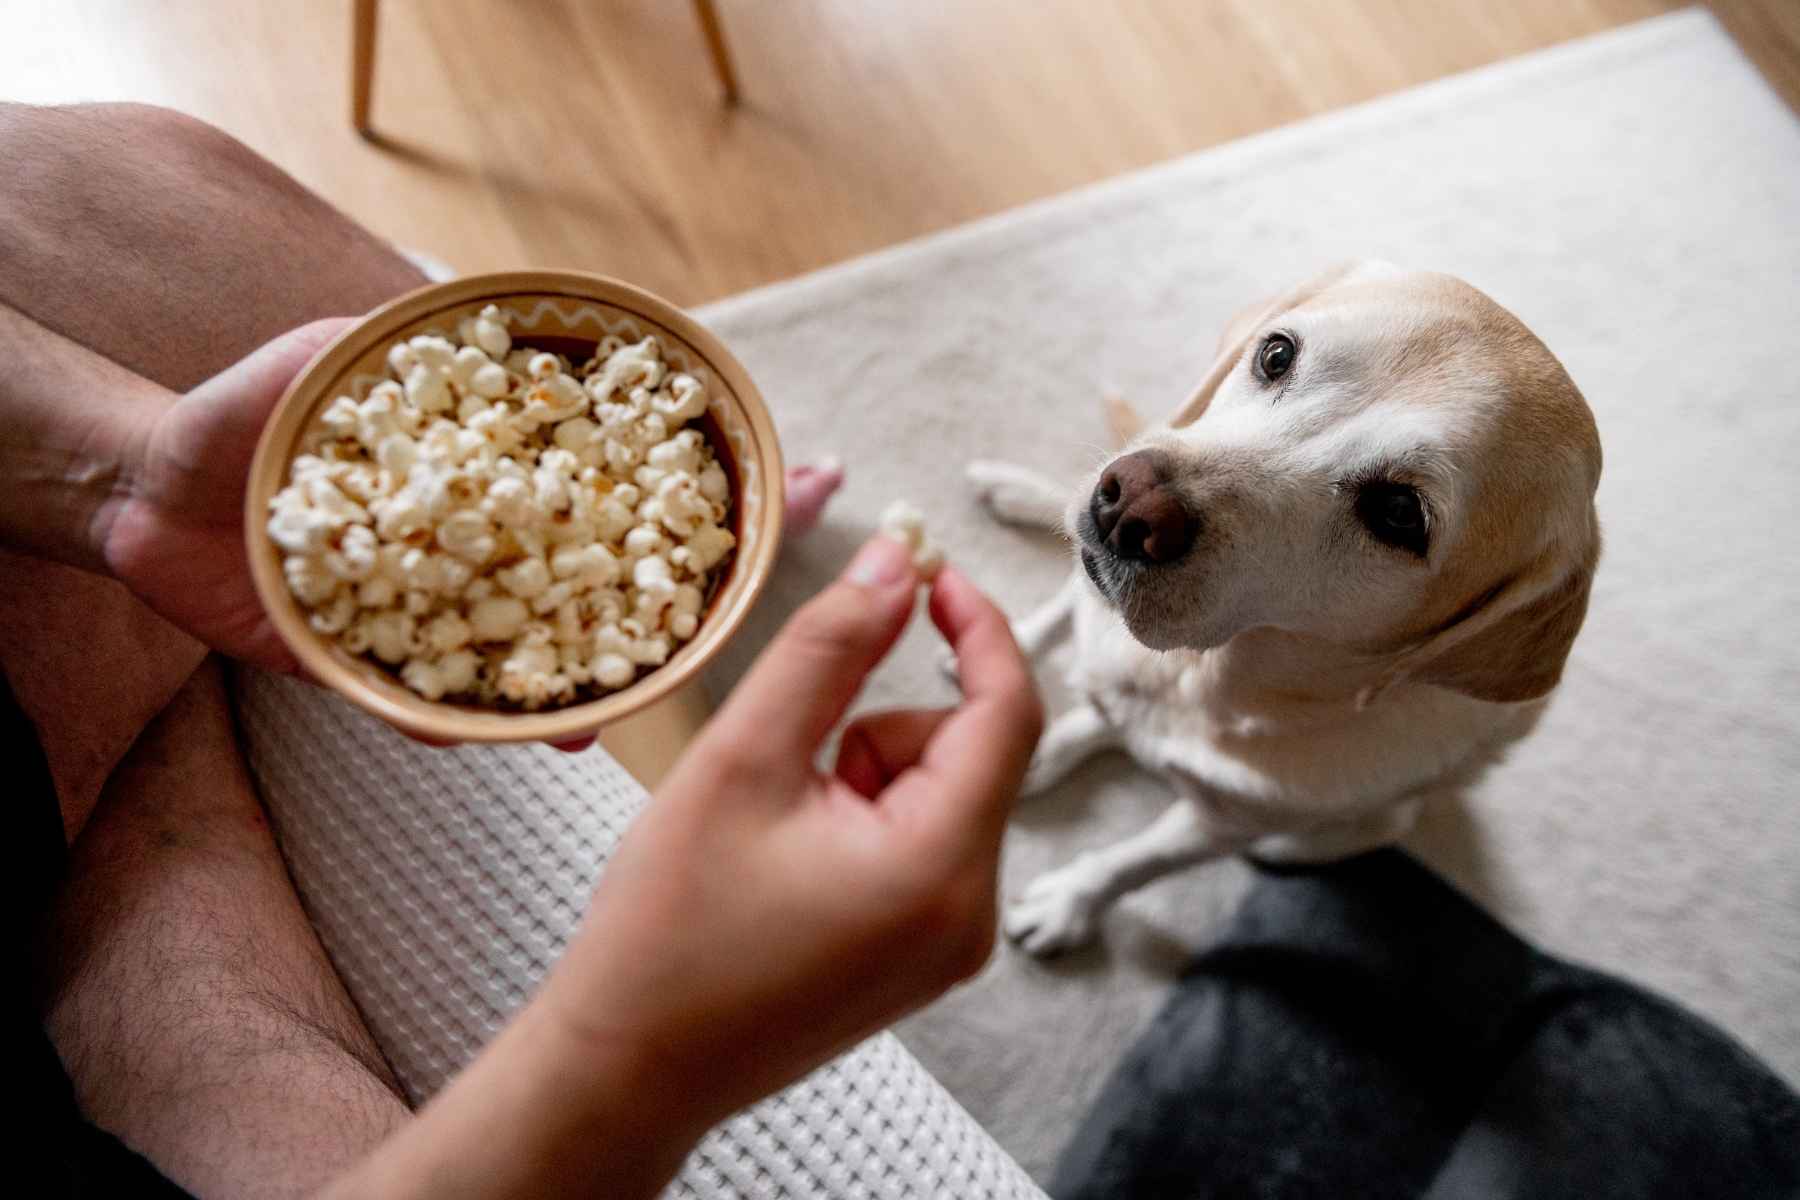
x=1632, y=197
x=445, y=882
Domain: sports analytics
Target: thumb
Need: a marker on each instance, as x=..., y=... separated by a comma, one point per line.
x=220, y=420
x=801, y=685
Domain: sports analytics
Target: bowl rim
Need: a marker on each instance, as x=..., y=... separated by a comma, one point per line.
x=434, y=720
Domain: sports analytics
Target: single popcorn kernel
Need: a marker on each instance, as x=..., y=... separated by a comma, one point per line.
x=495, y=524
x=906, y=525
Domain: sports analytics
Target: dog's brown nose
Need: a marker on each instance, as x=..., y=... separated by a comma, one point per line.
x=1136, y=515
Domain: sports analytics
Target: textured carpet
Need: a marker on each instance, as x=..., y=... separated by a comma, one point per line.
x=1633, y=198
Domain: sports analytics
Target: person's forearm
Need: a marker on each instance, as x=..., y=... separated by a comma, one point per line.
x=71, y=424
x=538, y=1114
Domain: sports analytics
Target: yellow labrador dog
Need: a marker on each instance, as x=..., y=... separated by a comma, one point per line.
x=1350, y=565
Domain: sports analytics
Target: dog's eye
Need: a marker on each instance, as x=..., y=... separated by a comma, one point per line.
x=1394, y=514
x=1276, y=356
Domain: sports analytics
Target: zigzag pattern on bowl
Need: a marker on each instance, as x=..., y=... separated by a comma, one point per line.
x=577, y=315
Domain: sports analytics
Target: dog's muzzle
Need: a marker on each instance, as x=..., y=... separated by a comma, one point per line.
x=1136, y=517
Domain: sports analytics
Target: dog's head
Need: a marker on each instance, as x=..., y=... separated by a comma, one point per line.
x=1387, y=460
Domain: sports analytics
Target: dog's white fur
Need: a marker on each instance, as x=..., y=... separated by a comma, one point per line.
x=1296, y=681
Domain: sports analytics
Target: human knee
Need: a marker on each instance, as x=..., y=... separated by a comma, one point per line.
x=68, y=144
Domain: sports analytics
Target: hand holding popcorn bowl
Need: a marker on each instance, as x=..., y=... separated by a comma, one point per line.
x=514, y=507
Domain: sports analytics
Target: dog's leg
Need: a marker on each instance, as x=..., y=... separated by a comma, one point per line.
x=1071, y=740
x=1038, y=628
x=1018, y=495
x=1060, y=909
x=1332, y=842
x=1035, y=630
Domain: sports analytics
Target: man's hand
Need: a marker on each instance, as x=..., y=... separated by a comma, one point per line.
x=176, y=537
x=762, y=915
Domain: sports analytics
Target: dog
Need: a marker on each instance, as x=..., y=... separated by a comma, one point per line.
x=1350, y=566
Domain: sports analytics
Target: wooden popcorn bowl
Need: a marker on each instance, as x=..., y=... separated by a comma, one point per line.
x=552, y=310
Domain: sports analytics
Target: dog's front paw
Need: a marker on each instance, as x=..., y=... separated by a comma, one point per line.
x=1011, y=493
x=1059, y=911
x=1044, y=773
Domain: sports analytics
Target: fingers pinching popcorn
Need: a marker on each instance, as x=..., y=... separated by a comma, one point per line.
x=499, y=526
x=906, y=525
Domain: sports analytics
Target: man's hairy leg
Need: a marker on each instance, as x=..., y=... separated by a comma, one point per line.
x=196, y=1013
x=190, y=998
x=174, y=250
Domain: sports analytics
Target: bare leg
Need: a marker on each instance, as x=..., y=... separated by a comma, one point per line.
x=188, y=995
x=1072, y=739
x=1018, y=495
x=168, y=247
x=1061, y=909
x=195, y=1010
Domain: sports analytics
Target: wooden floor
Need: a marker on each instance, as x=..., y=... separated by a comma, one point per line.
x=588, y=133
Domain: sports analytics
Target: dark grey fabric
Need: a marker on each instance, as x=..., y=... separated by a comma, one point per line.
x=1362, y=1029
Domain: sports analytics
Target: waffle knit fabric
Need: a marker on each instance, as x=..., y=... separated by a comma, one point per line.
x=444, y=882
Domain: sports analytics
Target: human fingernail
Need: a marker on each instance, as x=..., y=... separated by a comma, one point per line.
x=882, y=561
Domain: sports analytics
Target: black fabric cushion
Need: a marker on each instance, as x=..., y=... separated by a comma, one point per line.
x=1362, y=1029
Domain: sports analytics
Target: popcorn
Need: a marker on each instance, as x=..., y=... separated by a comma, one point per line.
x=377, y=592
x=391, y=636
x=445, y=632
x=629, y=367
x=494, y=524
x=591, y=566
x=613, y=670
x=906, y=525
x=498, y=618
x=467, y=534
x=308, y=579
x=487, y=332
x=526, y=578
x=704, y=549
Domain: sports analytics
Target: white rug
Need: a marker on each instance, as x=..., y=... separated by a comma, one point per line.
x=1635, y=198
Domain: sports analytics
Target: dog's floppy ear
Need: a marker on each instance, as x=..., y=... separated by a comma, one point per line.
x=1243, y=326
x=1512, y=644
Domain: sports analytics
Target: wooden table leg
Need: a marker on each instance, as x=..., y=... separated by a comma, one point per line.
x=715, y=42
x=362, y=63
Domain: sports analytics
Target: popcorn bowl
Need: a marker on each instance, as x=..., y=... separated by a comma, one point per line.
x=562, y=311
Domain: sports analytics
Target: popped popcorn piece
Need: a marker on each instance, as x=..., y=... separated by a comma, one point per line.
x=613, y=670
x=458, y=669
x=487, y=330
x=467, y=534
x=638, y=366
x=353, y=558
x=335, y=617
x=496, y=525
x=377, y=592
x=526, y=578
x=685, y=400
x=703, y=551
x=498, y=618
x=308, y=579
x=590, y=566
x=445, y=632
x=906, y=525
x=391, y=636
x=424, y=677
